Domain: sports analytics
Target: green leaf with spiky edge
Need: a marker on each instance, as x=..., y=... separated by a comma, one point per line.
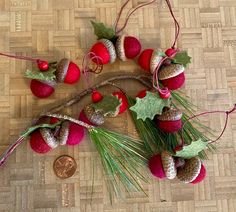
x=192, y=150
x=182, y=58
x=109, y=105
x=39, y=75
x=150, y=105
x=102, y=31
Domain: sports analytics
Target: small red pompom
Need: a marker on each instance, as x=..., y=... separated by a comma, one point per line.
x=72, y=74
x=124, y=102
x=201, y=175
x=142, y=94
x=38, y=144
x=145, y=59
x=100, y=50
x=132, y=47
x=170, y=126
x=76, y=134
x=83, y=118
x=42, y=89
x=156, y=167
x=42, y=65
x=174, y=83
x=96, y=96
x=171, y=52
x=165, y=95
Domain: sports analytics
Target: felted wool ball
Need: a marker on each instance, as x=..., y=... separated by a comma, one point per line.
x=71, y=134
x=42, y=89
x=124, y=101
x=201, y=176
x=172, y=76
x=149, y=59
x=170, y=120
x=156, y=167
x=105, y=50
x=42, y=141
x=67, y=72
x=127, y=47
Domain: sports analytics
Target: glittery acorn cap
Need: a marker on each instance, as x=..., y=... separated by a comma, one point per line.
x=64, y=133
x=190, y=170
x=95, y=117
x=168, y=164
x=170, y=71
x=111, y=49
x=120, y=48
x=62, y=68
x=172, y=114
x=155, y=60
x=49, y=137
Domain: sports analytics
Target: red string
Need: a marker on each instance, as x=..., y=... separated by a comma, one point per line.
x=21, y=57
x=227, y=113
x=177, y=27
x=128, y=15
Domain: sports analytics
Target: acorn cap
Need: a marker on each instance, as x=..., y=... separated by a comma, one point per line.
x=190, y=170
x=95, y=117
x=62, y=68
x=168, y=164
x=111, y=49
x=170, y=71
x=48, y=137
x=155, y=60
x=120, y=48
x=172, y=114
x=64, y=132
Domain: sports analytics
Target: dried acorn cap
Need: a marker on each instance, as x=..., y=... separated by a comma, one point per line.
x=120, y=47
x=62, y=68
x=49, y=137
x=190, y=170
x=111, y=48
x=168, y=163
x=64, y=133
x=155, y=60
x=172, y=114
x=95, y=117
x=170, y=71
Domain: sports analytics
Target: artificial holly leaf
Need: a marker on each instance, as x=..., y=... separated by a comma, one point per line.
x=109, y=105
x=39, y=75
x=182, y=58
x=150, y=105
x=192, y=150
x=103, y=31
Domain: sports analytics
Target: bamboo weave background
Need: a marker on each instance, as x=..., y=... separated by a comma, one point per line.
x=52, y=29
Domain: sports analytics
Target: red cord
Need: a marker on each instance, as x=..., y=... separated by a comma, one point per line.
x=21, y=57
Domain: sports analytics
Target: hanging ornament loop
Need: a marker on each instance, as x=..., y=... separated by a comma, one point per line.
x=227, y=113
x=131, y=11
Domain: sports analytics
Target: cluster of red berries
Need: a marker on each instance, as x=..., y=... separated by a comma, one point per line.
x=66, y=72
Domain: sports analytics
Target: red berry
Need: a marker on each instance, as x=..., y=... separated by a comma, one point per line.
x=178, y=148
x=156, y=167
x=145, y=59
x=142, y=94
x=171, y=52
x=53, y=120
x=43, y=65
x=124, y=102
x=132, y=47
x=96, y=96
x=201, y=175
x=165, y=95
x=42, y=89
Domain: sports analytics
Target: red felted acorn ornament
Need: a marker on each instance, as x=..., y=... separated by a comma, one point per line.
x=149, y=59
x=172, y=76
x=67, y=71
x=170, y=120
x=42, y=88
x=162, y=166
x=71, y=134
x=105, y=51
x=193, y=171
x=43, y=140
x=127, y=47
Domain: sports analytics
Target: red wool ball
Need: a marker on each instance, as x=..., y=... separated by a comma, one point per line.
x=201, y=175
x=132, y=47
x=171, y=52
x=42, y=89
x=124, y=101
x=76, y=134
x=101, y=51
x=73, y=74
x=96, y=96
x=156, y=167
x=170, y=126
x=174, y=83
x=142, y=94
x=145, y=59
x=42, y=65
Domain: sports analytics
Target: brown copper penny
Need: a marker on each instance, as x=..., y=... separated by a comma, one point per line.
x=64, y=166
